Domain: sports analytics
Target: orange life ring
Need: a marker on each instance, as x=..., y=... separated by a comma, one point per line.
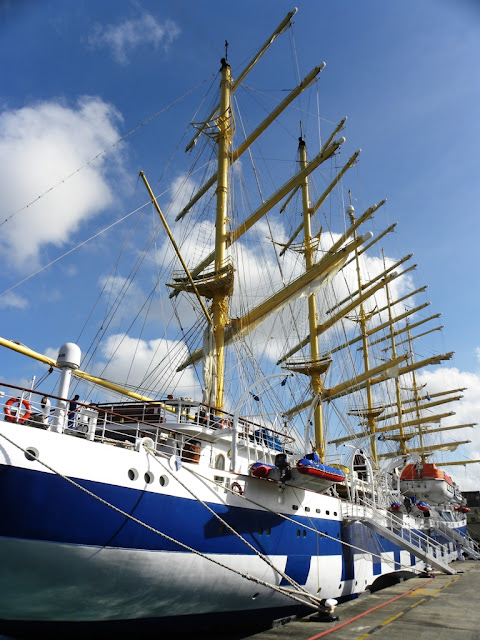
x=225, y=424
x=236, y=488
x=17, y=417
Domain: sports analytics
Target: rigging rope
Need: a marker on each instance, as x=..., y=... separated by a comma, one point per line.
x=313, y=529
x=101, y=153
x=267, y=560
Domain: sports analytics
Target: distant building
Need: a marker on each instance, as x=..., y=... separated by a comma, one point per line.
x=472, y=498
x=473, y=517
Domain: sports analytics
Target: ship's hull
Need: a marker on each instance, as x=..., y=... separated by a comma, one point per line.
x=141, y=543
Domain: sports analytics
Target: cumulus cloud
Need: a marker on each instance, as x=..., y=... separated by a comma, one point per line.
x=147, y=364
x=13, y=301
x=124, y=37
x=181, y=190
x=466, y=411
x=40, y=146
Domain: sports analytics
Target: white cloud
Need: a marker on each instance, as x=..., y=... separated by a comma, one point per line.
x=13, y=301
x=467, y=411
x=125, y=36
x=40, y=146
x=181, y=191
x=147, y=363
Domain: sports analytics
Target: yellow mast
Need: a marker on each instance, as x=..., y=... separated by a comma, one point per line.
x=236, y=154
x=312, y=310
x=416, y=396
x=370, y=411
x=282, y=27
x=318, y=275
x=403, y=446
x=220, y=298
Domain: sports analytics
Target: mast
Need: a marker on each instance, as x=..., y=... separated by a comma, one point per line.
x=403, y=447
x=416, y=398
x=282, y=27
x=370, y=412
x=312, y=310
x=220, y=297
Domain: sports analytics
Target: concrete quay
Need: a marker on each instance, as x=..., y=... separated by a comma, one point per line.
x=435, y=607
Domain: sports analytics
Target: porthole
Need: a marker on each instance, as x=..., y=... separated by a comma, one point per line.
x=31, y=454
x=298, y=533
x=307, y=508
x=318, y=510
x=260, y=531
x=268, y=531
x=304, y=533
x=335, y=513
x=295, y=507
x=132, y=474
x=148, y=477
x=327, y=512
x=163, y=480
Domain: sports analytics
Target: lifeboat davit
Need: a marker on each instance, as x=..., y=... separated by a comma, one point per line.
x=426, y=480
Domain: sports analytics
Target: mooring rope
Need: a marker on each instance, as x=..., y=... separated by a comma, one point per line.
x=266, y=559
x=298, y=593
x=247, y=576
x=305, y=526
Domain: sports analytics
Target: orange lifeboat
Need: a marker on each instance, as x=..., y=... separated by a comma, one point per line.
x=426, y=481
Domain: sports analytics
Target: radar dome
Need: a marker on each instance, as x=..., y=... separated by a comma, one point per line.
x=69, y=356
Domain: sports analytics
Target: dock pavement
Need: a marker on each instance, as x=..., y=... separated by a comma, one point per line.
x=432, y=607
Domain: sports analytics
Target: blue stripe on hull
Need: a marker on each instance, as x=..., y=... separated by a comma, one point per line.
x=40, y=506
x=297, y=568
x=44, y=507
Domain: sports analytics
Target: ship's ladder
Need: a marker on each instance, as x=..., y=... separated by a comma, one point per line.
x=469, y=546
x=393, y=528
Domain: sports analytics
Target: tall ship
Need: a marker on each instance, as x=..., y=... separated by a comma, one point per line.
x=303, y=471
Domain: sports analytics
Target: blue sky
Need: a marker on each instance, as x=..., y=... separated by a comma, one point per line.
x=78, y=76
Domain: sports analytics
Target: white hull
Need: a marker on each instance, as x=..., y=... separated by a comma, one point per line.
x=70, y=562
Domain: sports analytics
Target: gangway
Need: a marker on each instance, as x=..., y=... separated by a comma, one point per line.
x=392, y=528
x=469, y=546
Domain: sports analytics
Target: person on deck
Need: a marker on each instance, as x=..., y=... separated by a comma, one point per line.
x=72, y=407
x=46, y=405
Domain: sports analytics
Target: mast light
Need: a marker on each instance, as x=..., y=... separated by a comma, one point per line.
x=366, y=237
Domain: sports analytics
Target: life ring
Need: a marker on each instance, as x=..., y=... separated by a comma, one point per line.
x=225, y=424
x=236, y=488
x=17, y=417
